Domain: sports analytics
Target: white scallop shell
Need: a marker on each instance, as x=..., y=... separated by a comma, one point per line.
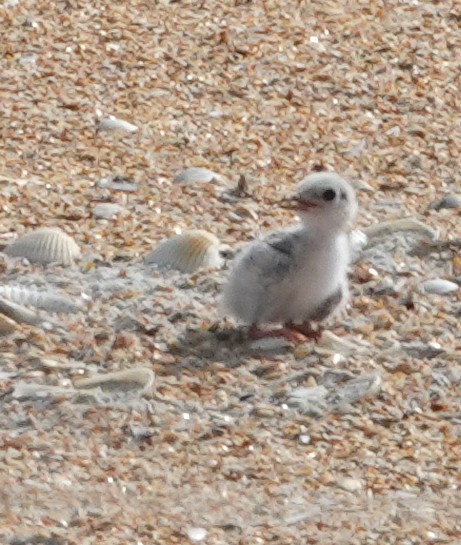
x=46, y=245
x=138, y=379
x=187, y=253
x=112, y=123
x=196, y=175
x=41, y=299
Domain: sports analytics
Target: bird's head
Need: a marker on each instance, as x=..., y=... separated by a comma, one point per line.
x=324, y=200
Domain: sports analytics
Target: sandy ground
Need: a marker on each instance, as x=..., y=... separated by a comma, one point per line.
x=218, y=451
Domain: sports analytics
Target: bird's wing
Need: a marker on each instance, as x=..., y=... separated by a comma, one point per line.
x=275, y=257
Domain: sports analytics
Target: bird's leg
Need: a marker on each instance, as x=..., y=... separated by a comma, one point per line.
x=288, y=333
x=306, y=329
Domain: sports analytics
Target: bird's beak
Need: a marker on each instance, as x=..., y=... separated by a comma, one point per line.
x=295, y=203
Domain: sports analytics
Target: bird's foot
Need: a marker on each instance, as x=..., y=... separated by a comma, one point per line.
x=306, y=330
x=296, y=337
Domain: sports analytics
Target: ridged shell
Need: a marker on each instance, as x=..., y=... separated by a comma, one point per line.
x=187, y=253
x=44, y=246
x=44, y=300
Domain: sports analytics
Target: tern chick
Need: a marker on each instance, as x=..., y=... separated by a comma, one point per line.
x=297, y=276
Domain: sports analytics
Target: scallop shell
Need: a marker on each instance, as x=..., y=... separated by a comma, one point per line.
x=197, y=175
x=187, y=253
x=44, y=300
x=112, y=123
x=47, y=245
x=133, y=380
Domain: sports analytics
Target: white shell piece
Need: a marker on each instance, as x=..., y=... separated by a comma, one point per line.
x=46, y=245
x=386, y=228
x=440, y=286
x=112, y=123
x=196, y=534
x=136, y=379
x=187, y=253
x=196, y=175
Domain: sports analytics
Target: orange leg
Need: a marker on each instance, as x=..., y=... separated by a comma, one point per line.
x=306, y=329
x=291, y=334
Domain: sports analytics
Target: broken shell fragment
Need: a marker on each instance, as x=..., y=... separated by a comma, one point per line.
x=112, y=123
x=197, y=175
x=133, y=380
x=439, y=286
x=44, y=246
x=187, y=253
x=386, y=228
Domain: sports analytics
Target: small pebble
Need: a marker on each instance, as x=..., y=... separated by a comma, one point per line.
x=439, y=286
x=350, y=484
x=196, y=534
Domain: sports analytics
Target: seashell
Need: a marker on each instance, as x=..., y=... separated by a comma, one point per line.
x=187, y=253
x=24, y=390
x=44, y=300
x=331, y=343
x=107, y=210
x=7, y=325
x=354, y=390
x=197, y=175
x=138, y=379
x=318, y=400
x=112, y=123
x=18, y=313
x=311, y=401
x=386, y=228
x=440, y=286
x=44, y=246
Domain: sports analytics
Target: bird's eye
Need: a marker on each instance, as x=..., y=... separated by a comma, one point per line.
x=329, y=195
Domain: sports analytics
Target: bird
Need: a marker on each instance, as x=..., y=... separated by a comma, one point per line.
x=296, y=276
